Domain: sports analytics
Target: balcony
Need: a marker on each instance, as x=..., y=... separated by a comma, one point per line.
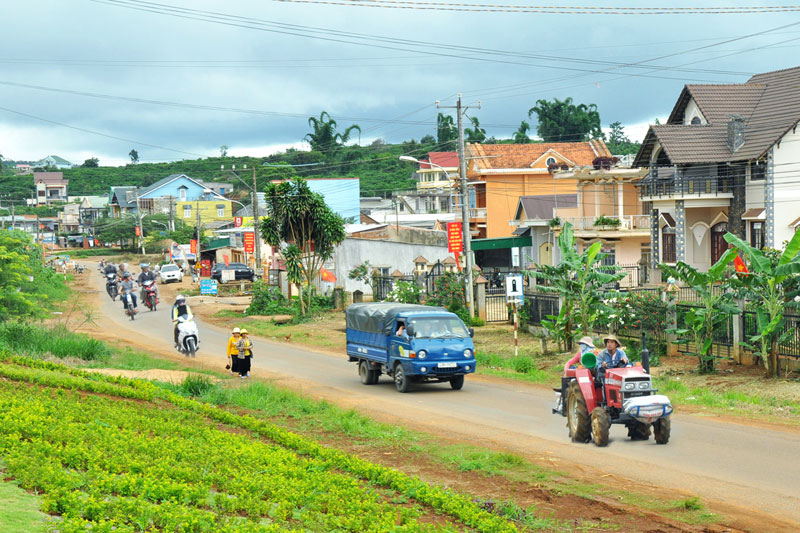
x=610, y=226
x=476, y=213
x=676, y=186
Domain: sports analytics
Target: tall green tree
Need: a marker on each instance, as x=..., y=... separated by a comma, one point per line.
x=521, y=135
x=446, y=130
x=618, y=142
x=325, y=138
x=92, y=162
x=563, y=121
x=475, y=134
x=134, y=155
x=299, y=221
x=768, y=285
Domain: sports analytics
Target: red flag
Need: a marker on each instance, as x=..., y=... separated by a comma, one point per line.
x=739, y=265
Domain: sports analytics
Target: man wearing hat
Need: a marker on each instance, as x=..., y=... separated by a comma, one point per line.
x=586, y=344
x=613, y=355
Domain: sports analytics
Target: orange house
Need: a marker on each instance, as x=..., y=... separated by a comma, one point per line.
x=500, y=173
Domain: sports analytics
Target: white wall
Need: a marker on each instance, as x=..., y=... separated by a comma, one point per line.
x=692, y=111
x=787, y=186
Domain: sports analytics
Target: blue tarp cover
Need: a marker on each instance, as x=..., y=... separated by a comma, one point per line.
x=380, y=317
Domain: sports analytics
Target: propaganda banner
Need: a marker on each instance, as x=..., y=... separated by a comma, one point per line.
x=455, y=237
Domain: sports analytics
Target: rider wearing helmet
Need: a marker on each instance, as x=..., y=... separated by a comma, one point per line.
x=110, y=268
x=146, y=275
x=180, y=309
x=127, y=286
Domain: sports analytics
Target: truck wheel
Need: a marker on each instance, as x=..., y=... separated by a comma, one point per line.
x=457, y=382
x=661, y=429
x=600, y=426
x=365, y=373
x=639, y=431
x=374, y=375
x=580, y=429
x=401, y=381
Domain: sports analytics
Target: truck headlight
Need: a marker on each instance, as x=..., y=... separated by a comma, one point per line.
x=422, y=354
x=644, y=385
x=467, y=353
x=630, y=386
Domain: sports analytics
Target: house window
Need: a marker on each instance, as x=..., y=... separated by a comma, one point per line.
x=757, y=235
x=550, y=161
x=187, y=211
x=668, y=254
x=182, y=194
x=696, y=121
x=610, y=256
x=718, y=242
x=758, y=171
x=222, y=190
x=220, y=211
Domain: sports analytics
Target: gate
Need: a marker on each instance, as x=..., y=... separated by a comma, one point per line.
x=497, y=308
x=541, y=306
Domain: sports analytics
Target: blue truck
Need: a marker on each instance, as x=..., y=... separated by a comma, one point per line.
x=409, y=343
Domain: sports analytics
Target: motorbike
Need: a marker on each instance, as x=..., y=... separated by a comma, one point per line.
x=188, y=337
x=150, y=297
x=130, y=310
x=112, y=286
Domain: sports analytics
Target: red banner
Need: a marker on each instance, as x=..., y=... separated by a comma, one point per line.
x=455, y=237
x=237, y=222
x=226, y=259
x=193, y=246
x=138, y=231
x=249, y=242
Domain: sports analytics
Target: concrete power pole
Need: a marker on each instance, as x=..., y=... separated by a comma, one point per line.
x=139, y=218
x=256, y=229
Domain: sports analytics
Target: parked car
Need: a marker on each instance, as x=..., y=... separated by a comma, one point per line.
x=241, y=270
x=171, y=272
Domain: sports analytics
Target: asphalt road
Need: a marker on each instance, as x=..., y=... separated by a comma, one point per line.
x=744, y=469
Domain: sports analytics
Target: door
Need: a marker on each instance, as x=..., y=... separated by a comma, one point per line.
x=718, y=243
x=546, y=254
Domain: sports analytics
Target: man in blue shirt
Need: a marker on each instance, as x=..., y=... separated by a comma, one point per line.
x=613, y=356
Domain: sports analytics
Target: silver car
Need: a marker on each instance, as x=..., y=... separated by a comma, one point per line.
x=171, y=272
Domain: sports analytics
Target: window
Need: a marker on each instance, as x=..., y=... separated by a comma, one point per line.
x=757, y=235
x=551, y=161
x=222, y=190
x=758, y=171
x=182, y=194
x=696, y=121
x=668, y=254
x=187, y=211
x=610, y=258
x=220, y=211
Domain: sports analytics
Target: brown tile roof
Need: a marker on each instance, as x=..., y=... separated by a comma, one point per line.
x=49, y=178
x=421, y=259
x=542, y=207
x=449, y=260
x=443, y=159
x=524, y=155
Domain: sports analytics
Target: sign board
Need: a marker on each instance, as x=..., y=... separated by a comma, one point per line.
x=228, y=275
x=181, y=252
x=193, y=246
x=514, y=288
x=208, y=286
x=455, y=237
x=237, y=222
x=249, y=242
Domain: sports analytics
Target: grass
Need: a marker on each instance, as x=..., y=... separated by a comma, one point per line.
x=58, y=341
x=19, y=510
x=130, y=359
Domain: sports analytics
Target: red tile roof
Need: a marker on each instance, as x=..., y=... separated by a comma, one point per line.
x=509, y=156
x=49, y=178
x=443, y=159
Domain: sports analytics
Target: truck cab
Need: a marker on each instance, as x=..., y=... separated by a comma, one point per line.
x=410, y=343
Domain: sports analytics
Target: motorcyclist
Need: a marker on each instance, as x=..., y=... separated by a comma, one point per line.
x=146, y=275
x=180, y=309
x=128, y=286
x=110, y=269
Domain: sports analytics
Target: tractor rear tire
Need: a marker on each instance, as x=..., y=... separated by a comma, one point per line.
x=661, y=429
x=578, y=422
x=639, y=431
x=600, y=426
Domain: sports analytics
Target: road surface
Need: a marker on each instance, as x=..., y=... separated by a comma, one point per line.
x=749, y=473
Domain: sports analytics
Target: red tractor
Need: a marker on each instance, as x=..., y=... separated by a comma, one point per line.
x=592, y=399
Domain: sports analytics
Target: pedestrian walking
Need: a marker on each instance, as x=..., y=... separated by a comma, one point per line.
x=233, y=351
x=245, y=349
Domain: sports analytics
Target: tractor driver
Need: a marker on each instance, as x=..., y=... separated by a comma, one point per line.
x=613, y=356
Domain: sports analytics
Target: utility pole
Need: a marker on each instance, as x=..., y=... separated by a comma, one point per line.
x=462, y=171
x=171, y=215
x=256, y=229
x=139, y=218
x=13, y=218
x=197, y=229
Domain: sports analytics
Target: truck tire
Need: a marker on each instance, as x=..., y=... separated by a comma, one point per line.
x=661, y=428
x=457, y=382
x=580, y=427
x=639, y=431
x=600, y=426
x=367, y=375
x=401, y=381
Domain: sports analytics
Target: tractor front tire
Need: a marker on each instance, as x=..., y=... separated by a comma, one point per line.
x=600, y=426
x=578, y=422
x=639, y=431
x=661, y=429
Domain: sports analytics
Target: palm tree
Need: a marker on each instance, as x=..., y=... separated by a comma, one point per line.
x=476, y=134
x=325, y=138
x=445, y=129
x=521, y=135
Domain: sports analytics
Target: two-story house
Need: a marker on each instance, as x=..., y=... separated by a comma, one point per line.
x=726, y=160
x=177, y=195
x=435, y=188
x=50, y=187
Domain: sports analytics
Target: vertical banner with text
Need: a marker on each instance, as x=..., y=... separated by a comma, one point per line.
x=249, y=242
x=193, y=246
x=455, y=240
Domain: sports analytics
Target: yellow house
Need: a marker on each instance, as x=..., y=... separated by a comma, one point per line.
x=210, y=211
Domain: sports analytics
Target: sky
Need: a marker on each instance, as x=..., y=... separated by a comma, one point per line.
x=80, y=79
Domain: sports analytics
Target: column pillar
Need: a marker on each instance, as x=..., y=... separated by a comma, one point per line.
x=769, y=201
x=680, y=230
x=620, y=197
x=480, y=297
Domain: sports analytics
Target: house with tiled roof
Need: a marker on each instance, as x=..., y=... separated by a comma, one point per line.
x=499, y=175
x=726, y=160
x=436, y=186
x=53, y=161
x=50, y=187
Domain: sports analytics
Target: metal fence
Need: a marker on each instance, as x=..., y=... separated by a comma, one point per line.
x=497, y=308
x=790, y=347
x=539, y=306
x=722, y=336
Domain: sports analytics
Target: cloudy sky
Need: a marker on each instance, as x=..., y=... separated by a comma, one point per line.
x=175, y=84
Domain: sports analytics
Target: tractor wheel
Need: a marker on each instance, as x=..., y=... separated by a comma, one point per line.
x=600, y=426
x=580, y=427
x=661, y=430
x=639, y=431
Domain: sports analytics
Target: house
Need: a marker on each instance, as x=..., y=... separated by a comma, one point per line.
x=535, y=235
x=121, y=201
x=23, y=168
x=218, y=187
x=435, y=188
x=725, y=160
x=53, y=161
x=175, y=195
x=69, y=219
x=91, y=208
x=50, y=187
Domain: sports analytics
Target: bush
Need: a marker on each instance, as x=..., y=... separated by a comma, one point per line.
x=196, y=385
x=29, y=339
x=522, y=364
x=269, y=301
x=406, y=292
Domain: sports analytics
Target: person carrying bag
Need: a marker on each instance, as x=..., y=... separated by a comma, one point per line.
x=245, y=354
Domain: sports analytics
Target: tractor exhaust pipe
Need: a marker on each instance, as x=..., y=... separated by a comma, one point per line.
x=645, y=354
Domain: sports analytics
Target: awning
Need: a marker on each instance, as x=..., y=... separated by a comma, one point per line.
x=501, y=243
x=758, y=213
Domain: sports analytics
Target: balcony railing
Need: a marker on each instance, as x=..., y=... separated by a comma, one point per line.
x=626, y=223
x=672, y=185
x=479, y=212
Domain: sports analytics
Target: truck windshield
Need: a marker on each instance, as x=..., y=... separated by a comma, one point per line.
x=439, y=328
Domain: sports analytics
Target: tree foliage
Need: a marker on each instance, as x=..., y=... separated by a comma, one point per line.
x=446, y=131
x=300, y=221
x=521, y=135
x=563, y=121
x=92, y=162
x=134, y=155
x=475, y=134
x=618, y=142
x=325, y=138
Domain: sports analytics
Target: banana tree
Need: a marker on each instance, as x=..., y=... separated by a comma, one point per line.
x=716, y=305
x=766, y=286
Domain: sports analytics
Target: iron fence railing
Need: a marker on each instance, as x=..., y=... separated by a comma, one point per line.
x=790, y=346
x=676, y=185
